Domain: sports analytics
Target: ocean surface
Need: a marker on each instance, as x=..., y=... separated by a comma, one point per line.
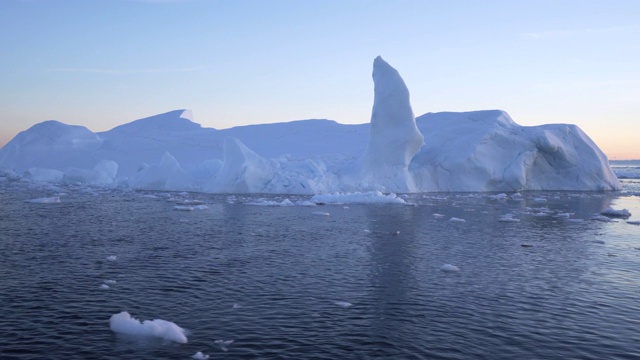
x=538, y=277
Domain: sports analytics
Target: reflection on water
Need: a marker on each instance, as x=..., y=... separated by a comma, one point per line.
x=363, y=282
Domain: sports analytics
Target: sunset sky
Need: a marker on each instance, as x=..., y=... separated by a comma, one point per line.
x=102, y=63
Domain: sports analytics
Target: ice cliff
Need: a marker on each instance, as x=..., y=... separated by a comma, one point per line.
x=470, y=151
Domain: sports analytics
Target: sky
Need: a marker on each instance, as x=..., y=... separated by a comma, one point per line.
x=102, y=63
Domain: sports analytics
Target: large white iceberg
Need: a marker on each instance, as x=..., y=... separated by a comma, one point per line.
x=396, y=152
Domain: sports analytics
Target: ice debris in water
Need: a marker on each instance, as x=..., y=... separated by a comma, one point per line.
x=104, y=286
x=110, y=282
x=343, y=304
x=601, y=218
x=458, y=220
x=321, y=213
x=123, y=323
x=45, y=200
x=263, y=202
x=449, y=268
x=223, y=344
x=501, y=196
x=624, y=213
x=370, y=197
x=436, y=215
x=236, y=306
x=508, y=218
x=199, y=356
x=111, y=258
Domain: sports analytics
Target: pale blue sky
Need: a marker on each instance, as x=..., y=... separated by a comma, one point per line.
x=101, y=63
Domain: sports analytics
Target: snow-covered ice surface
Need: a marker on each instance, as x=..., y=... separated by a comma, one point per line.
x=395, y=152
x=295, y=274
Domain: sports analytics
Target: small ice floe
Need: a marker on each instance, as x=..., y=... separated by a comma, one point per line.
x=371, y=197
x=111, y=258
x=501, y=196
x=396, y=233
x=104, y=287
x=367, y=231
x=223, y=344
x=305, y=203
x=436, y=215
x=343, y=304
x=199, y=356
x=190, y=202
x=345, y=207
x=457, y=220
x=320, y=213
x=236, y=306
x=508, y=218
x=183, y=208
x=110, y=282
x=539, y=199
x=601, y=218
x=517, y=197
x=149, y=196
x=123, y=323
x=263, y=202
x=609, y=212
x=449, y=268
x=633, y=222
x=45, y=200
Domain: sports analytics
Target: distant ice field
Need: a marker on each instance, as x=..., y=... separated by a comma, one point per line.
x=629, y=169
x=541, y=275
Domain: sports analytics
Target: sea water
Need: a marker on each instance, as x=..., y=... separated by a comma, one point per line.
x=246, y=280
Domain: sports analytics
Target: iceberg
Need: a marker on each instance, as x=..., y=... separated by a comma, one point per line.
x=478, y=151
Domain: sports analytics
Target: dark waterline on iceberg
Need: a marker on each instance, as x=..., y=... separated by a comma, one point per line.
x=363, y=282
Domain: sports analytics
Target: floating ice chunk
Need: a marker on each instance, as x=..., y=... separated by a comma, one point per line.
x=111, y=258
x=104, y=287
x=343, y=304
x=539, y=199
x=199, y=356
x=305, y=203
x=457, y=220
x=633, y=222
x=517, y=197
x=183, y=208
x=508, y=218
x=45, y=200
x=223, y=344
x=563, y=215
x=110, y=282
x=190, y=202
x=601, y=218
x=124, y=323
x=436, y=215
x=624, y=213
x=320, y=213
x=370, y=197
x=501, y=196
x=449, y=268
x=236, y=306
x=262, y=202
